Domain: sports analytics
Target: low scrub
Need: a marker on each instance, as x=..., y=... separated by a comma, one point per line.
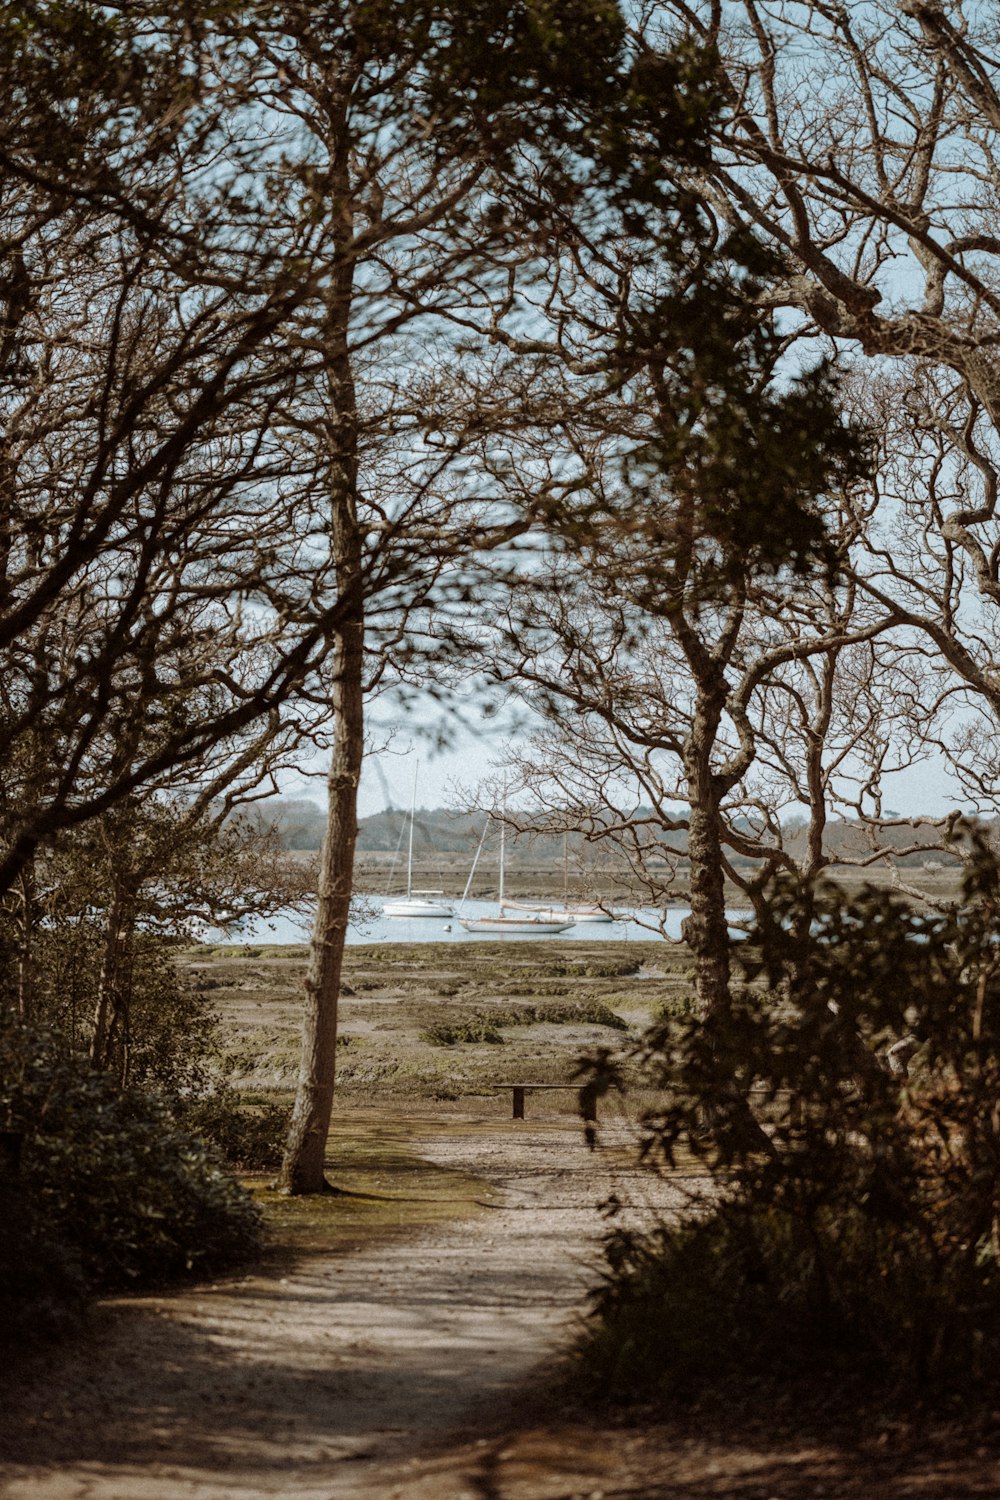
x=744, y=1294
x=561, y=1013
x=250, y=1138
x=484, y=1026
x=846, y=1108
x=591, y=968
x=110, y=1190
x=474, y=1029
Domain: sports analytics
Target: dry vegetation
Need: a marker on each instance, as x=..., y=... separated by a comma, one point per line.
x=543, y=1003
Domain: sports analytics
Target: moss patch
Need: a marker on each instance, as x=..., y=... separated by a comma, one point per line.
x=384, y=1191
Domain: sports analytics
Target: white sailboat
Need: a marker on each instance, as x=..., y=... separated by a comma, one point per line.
x=570, y=911
x=567, y=911
x=419, y=903
x=506, y=921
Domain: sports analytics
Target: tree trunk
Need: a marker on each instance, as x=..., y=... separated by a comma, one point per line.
x=25, y=959
x=302, y=1170
x=107, y=980
x=706, y=930
x=728, y=1115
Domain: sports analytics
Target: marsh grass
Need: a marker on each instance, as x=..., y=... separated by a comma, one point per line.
x=485, y=1026
x=474, y=1029
x=425, y=1020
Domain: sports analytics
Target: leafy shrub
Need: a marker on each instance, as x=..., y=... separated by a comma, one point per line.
x=249, y=1138
x=111, y=1190
x=749, y=1293
x=856, y=1220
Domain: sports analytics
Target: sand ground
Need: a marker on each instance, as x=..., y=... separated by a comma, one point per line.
x=414, y=1373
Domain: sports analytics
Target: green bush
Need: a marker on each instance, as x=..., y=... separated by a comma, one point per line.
x=746, y=1293
x=249, y=1138
x=111, y=1191
x=855, y=1221
x=560, y=1013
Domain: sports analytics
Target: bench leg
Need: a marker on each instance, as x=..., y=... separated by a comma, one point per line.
x=518, y=1104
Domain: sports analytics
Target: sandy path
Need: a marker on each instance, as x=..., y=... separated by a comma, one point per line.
x=354, y=1377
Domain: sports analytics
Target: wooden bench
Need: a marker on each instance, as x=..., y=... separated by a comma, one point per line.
x=518, y=1091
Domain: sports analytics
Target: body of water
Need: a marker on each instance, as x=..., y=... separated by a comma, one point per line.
x=638, y=926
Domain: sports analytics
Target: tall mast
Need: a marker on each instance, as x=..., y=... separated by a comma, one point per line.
x=409, y=856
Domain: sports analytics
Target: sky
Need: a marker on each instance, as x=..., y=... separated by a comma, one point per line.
x=445, y=778
x=449, y=778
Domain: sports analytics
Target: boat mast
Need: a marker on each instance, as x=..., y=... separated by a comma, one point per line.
x=468, y=883
x=409, y=856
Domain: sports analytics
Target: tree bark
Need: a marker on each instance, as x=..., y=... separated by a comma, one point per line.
x=106, y=984
x=729, y=1115
x=302, y=1170
x=25, y=961
x=706, y=931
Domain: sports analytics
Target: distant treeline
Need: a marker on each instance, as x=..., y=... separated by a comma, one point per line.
x=442, y=831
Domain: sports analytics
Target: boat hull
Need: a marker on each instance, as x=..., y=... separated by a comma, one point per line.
x=566, y=913
x=417, y=909
x=514, y=924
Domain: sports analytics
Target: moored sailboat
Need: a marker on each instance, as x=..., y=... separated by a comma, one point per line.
x=416, y=903
x=566, y=910
x=573, y=911
x=536, y=924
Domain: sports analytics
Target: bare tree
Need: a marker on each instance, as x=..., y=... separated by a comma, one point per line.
x=390, y=124
x=139, y=375
x=861, y=143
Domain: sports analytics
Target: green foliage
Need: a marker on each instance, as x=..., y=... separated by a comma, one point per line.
x=249, y=1138
x=862, y=1229
x=592, y=968
x=675, y=1007
x=111, y=1191
x=473, y=1029
x=563, y=1013
x=749, y=1293
x=483, y=1026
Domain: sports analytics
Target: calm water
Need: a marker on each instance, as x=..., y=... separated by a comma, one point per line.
x=292, y=928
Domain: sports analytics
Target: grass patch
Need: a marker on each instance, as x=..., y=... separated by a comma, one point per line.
x=385, y=1192
x=569, y=1013
x=475, y=1029
x=484, y=1026
x=676, y=1007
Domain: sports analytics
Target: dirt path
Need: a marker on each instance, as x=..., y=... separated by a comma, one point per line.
x=354, y=1377
x=399, y=1375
